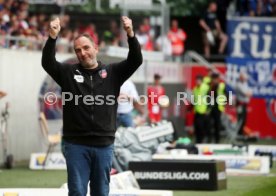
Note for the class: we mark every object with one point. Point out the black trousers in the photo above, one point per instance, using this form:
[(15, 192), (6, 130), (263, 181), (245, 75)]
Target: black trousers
[(242, 114), (215, 124), (201, 127)]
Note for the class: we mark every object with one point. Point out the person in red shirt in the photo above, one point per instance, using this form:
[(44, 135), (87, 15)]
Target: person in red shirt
[(91, 30), (177, 37), (154, 92)]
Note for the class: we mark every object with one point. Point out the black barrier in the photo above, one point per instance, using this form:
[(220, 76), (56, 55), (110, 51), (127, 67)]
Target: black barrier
[(191, 148), (180, 175)]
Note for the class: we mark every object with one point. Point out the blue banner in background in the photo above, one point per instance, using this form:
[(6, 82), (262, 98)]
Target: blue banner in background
[(252, 38), (262, 75), (252, 49)]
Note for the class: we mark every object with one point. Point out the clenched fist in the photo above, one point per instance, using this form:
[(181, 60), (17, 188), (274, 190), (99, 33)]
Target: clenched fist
[(54, 28), (127, 24)]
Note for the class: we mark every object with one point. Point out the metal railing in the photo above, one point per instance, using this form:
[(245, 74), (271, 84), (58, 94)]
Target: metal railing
[(8, 41), (27, 43)]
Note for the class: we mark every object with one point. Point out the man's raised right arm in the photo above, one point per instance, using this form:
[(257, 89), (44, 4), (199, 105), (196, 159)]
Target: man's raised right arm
[(49, 62)]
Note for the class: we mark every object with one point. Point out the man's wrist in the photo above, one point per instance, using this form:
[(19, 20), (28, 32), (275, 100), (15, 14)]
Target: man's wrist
[(130, 34), (52, 36)]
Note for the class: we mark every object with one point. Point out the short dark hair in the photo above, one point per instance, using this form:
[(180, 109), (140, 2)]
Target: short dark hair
[(199, 77), (157, 77), (215, 75), (85, 35), (211, 2)]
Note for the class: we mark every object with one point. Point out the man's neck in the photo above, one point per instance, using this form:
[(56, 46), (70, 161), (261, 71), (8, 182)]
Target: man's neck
[(94, 66)]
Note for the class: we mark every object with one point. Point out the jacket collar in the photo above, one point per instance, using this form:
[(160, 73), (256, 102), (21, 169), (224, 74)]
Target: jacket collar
[(100, 67)]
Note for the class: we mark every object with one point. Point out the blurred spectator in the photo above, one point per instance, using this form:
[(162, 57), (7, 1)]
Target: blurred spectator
[(187, 109), (146, 25), (273, 12), (260, 10), (22, 17), (207, 79), (163, 44), (150, 44), (111, 36), (4, 19), (264, 8), (127, 100), (64, 41), (177, 38), (217, 88), (222, 12), (148, 28), (255, 7), (23, 6), (243, 93), (3, 26), (32, 20), (246, 7), (91, 30), (64, 21), (144, 38), (212, 30), (154, 92), (268, 6), (201, 121)]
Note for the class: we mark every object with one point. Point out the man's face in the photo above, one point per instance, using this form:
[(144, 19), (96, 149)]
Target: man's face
[(156, 81), (243, 77), (215, 81), (86, 52), (174, 24), (198, 81), (213, 7)]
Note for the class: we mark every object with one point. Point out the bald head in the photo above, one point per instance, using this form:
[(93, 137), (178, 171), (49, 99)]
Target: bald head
[(85, 35), (243, 76)]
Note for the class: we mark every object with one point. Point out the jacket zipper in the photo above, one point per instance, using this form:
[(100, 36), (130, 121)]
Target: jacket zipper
[(92, 106)]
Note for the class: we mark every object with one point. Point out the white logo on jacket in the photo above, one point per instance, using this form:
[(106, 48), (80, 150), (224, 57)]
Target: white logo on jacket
[(79, 78)]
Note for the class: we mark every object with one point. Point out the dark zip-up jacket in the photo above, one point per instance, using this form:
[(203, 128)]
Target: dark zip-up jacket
[(89, 118)]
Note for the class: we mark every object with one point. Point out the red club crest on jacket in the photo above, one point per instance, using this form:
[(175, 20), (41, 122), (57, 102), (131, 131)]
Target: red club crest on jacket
[(103, 73)]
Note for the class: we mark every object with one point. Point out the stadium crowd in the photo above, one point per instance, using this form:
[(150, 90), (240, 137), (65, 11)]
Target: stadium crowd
[(257, 8), (21, 30)]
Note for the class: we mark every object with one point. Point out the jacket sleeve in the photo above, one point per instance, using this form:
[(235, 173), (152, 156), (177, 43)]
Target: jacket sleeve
[(126, 68), (49, 62)]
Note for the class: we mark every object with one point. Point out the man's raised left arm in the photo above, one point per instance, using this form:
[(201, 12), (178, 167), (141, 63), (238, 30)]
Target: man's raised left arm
[(134, 59)]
